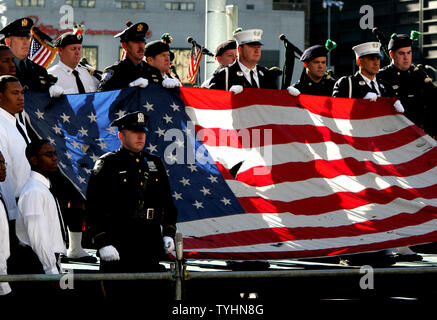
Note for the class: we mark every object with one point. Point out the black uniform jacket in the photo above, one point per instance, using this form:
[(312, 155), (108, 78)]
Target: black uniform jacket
[(128, 200), (236, 77), (120, 74), (322, 88), (34, 77), (416, 92), (359, 87)]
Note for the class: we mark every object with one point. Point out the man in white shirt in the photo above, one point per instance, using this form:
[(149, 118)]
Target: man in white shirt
[(4, 233), (39, 221), (72, 77), (13, 141)]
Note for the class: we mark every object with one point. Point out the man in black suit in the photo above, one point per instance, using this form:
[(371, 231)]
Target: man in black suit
[(363, 84), (245, 72), (314, 79)]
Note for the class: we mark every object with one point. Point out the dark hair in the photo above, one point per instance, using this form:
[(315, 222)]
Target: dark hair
[(5, 79), (34, 147)]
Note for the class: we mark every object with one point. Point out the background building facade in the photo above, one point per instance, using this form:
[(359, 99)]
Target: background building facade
[(105, 18)]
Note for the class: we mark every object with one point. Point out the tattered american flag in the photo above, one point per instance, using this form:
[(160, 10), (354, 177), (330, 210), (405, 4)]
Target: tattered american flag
[(41, 49), (262, 174)]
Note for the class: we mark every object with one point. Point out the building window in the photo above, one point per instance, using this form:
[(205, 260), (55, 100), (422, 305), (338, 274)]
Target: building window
[(81, 3), (250, 7), (288, 4), (180, 6), (30, 3), (91, 54), (137, 5)]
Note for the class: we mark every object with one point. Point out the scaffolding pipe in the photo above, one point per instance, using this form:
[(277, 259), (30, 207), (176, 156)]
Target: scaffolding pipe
[(221, 274)]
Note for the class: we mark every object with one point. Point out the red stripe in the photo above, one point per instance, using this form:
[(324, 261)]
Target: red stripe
[(335, 201), (406, 241), (353, 109), (44, 58), (282, 134), (275, 235), (298, 171), (40, 56)]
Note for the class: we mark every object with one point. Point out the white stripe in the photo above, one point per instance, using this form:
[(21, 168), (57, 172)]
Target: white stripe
[(258, 115), (318, 244), (344, 217), (301, 152), (319, 187)]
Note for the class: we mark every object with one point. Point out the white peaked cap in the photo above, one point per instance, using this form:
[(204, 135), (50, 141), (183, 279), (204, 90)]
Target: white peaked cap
[(367, 48), (251, 36)]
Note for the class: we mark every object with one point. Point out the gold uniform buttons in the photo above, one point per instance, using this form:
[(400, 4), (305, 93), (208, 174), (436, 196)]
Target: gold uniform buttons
[(137, 160), (124, 180)]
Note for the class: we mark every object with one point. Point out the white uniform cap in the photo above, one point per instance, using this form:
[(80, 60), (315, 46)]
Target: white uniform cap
[(367, 49), (251, 36)]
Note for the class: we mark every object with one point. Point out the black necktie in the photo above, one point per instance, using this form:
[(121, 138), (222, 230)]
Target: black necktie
[(79, 82), (20, 129), (22, 66), (252, 80), (61, 221), (372, 84), (4, 205)]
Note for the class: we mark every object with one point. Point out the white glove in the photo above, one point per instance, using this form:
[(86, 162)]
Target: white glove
[(140, 82), (169, 246), (56, 91), (398, 106), (109, 253), (293, 91), (236, 89), (372, 96), (170, 83)]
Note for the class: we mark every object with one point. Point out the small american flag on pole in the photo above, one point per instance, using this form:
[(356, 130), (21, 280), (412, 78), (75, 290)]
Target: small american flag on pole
[(41, 49), (193, 67)]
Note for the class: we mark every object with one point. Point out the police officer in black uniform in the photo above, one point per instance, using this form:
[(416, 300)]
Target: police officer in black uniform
[(17, 38), (133, 70), (314, 79), (410, 84), (245, 72), (128, 201)]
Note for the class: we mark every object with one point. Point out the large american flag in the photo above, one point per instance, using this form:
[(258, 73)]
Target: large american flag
[(261, 174), (41, 49)]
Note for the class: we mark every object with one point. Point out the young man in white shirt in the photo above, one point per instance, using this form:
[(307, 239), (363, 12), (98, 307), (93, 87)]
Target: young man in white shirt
[(39, 221), (4, 233)]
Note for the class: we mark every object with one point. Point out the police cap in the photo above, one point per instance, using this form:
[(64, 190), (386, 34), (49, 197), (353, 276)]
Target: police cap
[(68, 38), (249, 37), (226, 45), (399, 41), (135, 121), (368, 49), (133, 32), (314, 52), (155, 47), (19, 28)]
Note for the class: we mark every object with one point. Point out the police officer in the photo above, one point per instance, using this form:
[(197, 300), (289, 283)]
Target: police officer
[(133, 70), (31, 75), (410, 84), (72, 76), (128, 200), (157, 55), (225, 54), (364, 84), (245, 72), (314, 79)]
